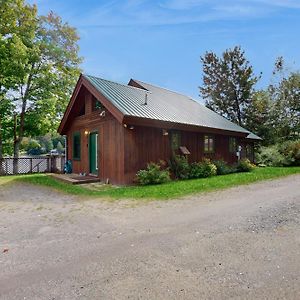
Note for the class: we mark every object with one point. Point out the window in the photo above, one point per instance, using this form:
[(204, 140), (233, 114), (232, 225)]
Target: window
[(82, 111), (76, 146), (209, 144), (175, 140), (97, 105), (232, 145)]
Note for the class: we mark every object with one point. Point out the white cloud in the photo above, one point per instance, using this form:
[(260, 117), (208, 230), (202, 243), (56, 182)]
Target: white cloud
[(176, 12)]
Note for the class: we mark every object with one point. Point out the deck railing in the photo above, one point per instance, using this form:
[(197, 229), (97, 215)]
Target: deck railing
[(34, 164)]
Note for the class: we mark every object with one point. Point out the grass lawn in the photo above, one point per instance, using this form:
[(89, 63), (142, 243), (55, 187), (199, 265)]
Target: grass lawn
[(170, 190)]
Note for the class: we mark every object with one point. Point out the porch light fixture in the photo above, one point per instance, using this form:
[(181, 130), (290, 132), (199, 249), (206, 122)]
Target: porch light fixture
[(102, 114), (131, 127), (86, 132), (125, 125), (165, 132)]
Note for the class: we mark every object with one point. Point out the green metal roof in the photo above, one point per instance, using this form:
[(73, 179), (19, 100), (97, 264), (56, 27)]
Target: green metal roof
[(162, 104), (253, 136)]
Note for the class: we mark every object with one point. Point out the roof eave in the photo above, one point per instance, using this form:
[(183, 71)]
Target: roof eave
[(82, 81), (147, 122)]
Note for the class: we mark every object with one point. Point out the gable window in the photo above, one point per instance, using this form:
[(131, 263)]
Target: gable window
[(232, 145), (209, 144), (82, 111), (175, 140), (97, 105), (76, 145)]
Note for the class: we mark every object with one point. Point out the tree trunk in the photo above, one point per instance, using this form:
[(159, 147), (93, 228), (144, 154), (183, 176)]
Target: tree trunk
[(1, 148), (16, 147), (238, 110), (18, 136)]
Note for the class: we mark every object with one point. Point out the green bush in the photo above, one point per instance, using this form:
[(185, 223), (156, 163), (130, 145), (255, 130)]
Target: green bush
[(180, 167), (202, 169), (244, 165), (223, 168), (270, 156), (284, 154), (291, 152), (153, 174)]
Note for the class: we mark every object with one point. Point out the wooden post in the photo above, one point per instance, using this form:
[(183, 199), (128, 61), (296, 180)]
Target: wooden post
[(30, 171)]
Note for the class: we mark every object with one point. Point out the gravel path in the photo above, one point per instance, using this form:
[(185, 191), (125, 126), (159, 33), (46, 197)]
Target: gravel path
[(241, 243)]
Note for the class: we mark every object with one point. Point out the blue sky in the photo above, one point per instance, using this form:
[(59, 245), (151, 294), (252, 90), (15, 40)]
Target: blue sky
[(161, 42)]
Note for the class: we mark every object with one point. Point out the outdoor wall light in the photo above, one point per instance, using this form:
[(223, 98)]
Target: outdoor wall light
[(125, 125), (86, 132), (165, 132)]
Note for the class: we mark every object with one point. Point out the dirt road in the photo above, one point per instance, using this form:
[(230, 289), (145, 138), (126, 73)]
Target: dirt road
[(241, 243)]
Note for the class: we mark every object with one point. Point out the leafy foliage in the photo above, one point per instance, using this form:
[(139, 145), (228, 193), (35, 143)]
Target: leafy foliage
[(202, 169), (270, 156), (286, 107), (179, 167), (39, 68), (223, 168), (258, 116), (153, 174), (244, 165), (291, 151), (228, 83), (42, 144), (281, 154)]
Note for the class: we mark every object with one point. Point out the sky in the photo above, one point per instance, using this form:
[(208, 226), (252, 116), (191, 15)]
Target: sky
[(161, 42)]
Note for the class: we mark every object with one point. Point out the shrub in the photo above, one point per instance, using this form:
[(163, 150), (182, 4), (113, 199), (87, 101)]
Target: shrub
[(244, 165), (270, 156), (202, 169), (223, 168), (153, 174), (180, 167), (291, 152)]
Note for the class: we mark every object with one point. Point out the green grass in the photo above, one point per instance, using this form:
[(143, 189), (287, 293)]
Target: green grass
[(170, 190)]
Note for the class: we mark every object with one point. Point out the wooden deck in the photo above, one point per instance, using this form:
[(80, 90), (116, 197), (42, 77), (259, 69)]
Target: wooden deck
[(75, 178)]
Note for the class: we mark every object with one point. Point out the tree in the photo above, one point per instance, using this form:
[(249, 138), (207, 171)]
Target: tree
[(259, 118), (286, 108), (228, 84), (17, 25), (60, 147), (52, 70)]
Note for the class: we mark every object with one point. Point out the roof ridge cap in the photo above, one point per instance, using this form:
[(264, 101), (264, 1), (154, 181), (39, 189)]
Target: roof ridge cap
[(115, 82), (163, 88)]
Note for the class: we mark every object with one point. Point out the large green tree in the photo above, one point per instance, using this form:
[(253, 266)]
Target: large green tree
[(286, 107), (228, 84), (17, 27), (259, 116), (52, 70)]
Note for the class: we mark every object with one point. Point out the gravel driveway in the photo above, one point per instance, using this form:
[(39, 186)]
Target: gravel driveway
[(241, 243)]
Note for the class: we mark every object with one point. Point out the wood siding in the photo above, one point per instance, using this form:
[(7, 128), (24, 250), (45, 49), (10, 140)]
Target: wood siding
[(124, 151), (110, 143), (147, 144)]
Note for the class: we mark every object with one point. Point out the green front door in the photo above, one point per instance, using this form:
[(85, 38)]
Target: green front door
[(93, 153)]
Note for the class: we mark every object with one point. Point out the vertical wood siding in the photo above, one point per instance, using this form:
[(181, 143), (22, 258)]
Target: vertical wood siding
[(122, 152)]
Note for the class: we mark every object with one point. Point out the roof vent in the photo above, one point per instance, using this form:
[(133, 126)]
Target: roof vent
[(146, 99)]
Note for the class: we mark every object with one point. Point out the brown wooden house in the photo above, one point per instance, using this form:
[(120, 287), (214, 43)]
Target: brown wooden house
[(114, 130)]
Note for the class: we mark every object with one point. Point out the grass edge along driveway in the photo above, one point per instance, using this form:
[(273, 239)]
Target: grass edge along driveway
[(174, 189)]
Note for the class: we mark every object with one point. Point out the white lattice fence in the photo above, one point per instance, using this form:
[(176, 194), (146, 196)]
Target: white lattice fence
[(27, 165)]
